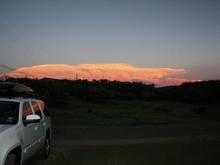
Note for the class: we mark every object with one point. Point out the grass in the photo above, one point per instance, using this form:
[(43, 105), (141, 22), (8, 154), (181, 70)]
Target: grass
[(132, 113), (203, 152), (190, 152)]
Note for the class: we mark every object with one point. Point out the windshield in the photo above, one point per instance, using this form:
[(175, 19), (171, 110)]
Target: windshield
[(9, 112)]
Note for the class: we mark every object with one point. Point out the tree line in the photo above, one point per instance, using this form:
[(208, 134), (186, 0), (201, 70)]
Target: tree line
[(61, 92)]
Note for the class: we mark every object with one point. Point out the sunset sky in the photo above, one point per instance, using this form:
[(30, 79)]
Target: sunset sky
[(179, 38)]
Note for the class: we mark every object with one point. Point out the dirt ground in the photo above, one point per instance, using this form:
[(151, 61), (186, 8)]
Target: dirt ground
[(110, 135)]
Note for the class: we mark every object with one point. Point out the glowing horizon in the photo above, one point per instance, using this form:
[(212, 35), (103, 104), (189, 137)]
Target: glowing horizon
[(119, 72)]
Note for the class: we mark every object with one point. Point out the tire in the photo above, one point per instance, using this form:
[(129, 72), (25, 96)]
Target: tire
[(11, 159), (47, 148)]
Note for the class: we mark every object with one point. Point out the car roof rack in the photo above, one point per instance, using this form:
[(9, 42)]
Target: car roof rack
[(10, 90)]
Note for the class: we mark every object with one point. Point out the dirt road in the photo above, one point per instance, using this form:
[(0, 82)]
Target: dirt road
[(98, 135)]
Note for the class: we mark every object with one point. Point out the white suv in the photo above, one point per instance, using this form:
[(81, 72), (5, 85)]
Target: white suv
[(25, 126)]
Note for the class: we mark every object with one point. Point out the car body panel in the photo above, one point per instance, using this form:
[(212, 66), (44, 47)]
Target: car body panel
[(30, 138)]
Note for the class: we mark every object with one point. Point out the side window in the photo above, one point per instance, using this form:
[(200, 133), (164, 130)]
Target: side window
[(36, 109), (26, 110), (44, 108)]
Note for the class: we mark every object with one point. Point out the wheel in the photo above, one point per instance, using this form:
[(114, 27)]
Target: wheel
[(47, 147), (11, 159)]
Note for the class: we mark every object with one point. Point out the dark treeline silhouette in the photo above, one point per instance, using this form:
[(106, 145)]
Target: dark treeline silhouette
[(193, 92), (60, 92)]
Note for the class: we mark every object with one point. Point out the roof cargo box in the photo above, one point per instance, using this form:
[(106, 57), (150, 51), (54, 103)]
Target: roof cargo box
[(9, 89)]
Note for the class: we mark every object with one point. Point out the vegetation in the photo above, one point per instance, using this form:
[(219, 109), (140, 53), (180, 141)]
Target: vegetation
[(62, 92), (82, 102), (132, 112)]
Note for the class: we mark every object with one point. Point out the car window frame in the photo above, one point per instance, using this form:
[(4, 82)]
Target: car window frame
[(43, 110), (42, 114), (18, 106), (23, 109)]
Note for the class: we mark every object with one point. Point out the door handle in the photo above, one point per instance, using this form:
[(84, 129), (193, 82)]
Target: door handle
[(35, 128)]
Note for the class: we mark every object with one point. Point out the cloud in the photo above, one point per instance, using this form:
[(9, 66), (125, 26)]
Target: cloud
[(120, 72)]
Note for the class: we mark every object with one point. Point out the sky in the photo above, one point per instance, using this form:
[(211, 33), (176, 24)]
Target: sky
[(145, 34)]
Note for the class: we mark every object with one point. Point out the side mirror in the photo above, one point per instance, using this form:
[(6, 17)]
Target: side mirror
[(34, 118)]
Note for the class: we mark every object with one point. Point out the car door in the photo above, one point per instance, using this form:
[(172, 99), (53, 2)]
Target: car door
[(39, 125), (30, 133), (44, 110)]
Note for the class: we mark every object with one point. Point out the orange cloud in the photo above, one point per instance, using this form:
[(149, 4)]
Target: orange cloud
[(120, 72)]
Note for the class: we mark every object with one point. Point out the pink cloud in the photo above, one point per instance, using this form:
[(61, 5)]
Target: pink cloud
[(120, 72)]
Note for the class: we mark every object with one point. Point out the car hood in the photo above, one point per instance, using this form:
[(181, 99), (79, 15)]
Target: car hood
[(4, 127)]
